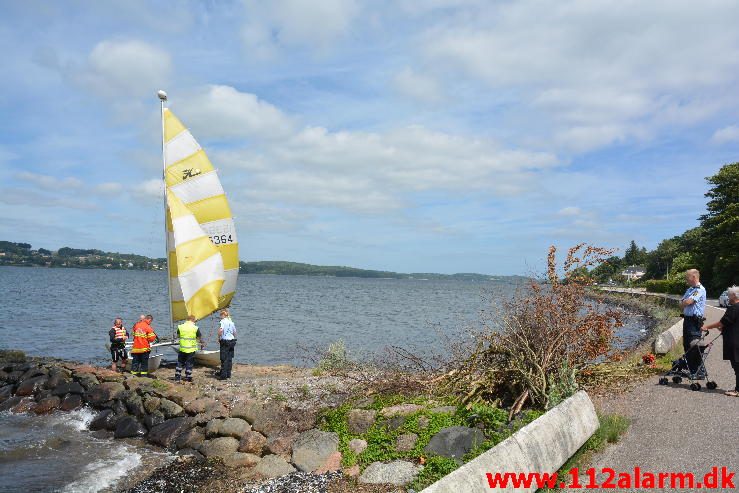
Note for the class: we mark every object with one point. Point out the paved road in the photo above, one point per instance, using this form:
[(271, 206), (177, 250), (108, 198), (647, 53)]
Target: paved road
[(643, 291), (676, 429)]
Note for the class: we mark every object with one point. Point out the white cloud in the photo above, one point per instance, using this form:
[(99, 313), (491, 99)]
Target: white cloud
[(47, 182), (224, 112), (124, 68), (279, 24), (150, 189), (726, 135), (569, 211), (417, 86)]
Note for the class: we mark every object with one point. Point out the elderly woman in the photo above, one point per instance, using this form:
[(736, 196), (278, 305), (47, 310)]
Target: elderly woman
[(729, 327)]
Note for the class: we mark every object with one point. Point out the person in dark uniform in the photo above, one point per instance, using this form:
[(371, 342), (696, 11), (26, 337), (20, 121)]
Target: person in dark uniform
[(118, 336), (693, 304), (729, 327)]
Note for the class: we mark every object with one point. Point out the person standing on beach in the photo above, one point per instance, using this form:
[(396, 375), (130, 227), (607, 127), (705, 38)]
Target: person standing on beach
[(227, 340), (143, 336), (190, 338), (118, 336), (693, 304), (729, 326)]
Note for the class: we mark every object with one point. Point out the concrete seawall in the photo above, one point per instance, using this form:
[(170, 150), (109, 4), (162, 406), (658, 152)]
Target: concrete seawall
[(542, 446)]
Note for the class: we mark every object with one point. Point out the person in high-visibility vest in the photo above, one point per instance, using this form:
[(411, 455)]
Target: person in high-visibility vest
[(118, 336), (190, 341), (143, 336)]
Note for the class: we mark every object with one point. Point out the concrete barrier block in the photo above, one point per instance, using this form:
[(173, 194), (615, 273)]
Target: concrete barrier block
[(667, 339), (542, 446)]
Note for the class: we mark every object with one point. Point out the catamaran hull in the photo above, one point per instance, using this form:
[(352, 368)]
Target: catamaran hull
[(155, 360), (206, 357)]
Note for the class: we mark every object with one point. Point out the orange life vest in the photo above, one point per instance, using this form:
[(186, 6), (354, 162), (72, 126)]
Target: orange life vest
[(120, 333), (143, 336)]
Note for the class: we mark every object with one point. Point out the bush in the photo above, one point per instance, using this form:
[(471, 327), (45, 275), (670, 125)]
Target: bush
[(335, 358), (667, 286)]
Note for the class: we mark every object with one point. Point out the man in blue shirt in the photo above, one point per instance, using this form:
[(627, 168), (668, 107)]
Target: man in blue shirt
[(227, 340), (693, 304)]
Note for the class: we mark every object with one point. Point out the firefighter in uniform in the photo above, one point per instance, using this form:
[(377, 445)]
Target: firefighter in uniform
[(118, 336), (190, 341), (143, 336)]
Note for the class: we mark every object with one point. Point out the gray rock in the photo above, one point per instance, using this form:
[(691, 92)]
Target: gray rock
[(406, 442), (135, 405), (188, 452), (400, 409), (153, 419), (117, 406), (357, 445), (213, 428), (87, 380), (151, 403), (444, 410), (281, 445), (165, 434), (240, 459), (191, 439), (10, 403), (234, 427), (105, 392), (55, 379), (129, 427), (396, 422), (272, 466), (268, 419), (25, 405), (104, 420), (47, 405), (31, 385), (170, 409), (454, 442), (397, 473), (34, 372), (68, 388), (360, 420), (5, 392), (222, 447), (199, 406), (70, 402), (252, 442), (14, 376), (312, 449)]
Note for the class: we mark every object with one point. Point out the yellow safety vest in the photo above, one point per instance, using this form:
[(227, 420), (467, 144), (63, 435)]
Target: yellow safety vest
[(188, 337)]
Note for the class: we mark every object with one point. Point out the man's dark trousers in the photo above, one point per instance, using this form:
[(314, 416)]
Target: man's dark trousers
[(140, 364), (184, 360), (691, 332), (227, 356)]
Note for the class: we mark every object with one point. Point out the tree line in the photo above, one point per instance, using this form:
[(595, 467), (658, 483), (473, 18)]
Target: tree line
[(712, 247)]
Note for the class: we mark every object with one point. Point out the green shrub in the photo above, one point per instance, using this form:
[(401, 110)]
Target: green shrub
[(335, 358), (667, 286), (436, 467)]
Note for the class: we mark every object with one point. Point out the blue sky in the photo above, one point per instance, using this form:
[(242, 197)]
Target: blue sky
[(443, 136)]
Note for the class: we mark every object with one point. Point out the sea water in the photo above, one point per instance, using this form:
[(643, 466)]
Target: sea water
[(57, 452)]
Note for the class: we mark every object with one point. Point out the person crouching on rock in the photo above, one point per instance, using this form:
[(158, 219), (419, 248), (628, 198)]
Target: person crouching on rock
[(227, 340), (190, 338), (143, 336), (118, 336), (729, 326)]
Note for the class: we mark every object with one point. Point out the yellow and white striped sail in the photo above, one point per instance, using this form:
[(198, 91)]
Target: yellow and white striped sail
[(192, 180)]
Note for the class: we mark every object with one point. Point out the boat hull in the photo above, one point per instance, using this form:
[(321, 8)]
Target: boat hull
[(206, 357)]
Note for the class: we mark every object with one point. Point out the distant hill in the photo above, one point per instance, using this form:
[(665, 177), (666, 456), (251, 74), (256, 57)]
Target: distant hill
[(22, 254)]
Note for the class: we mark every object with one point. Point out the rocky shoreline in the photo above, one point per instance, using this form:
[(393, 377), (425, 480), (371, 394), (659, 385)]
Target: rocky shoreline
[(258, 434)]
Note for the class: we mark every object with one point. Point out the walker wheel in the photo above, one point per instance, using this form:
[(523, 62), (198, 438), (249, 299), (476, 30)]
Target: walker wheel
[(711, 385), (695, 386), (677, 379), (663, 381)]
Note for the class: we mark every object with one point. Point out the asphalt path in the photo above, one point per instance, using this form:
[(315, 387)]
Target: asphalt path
[(675, 429)]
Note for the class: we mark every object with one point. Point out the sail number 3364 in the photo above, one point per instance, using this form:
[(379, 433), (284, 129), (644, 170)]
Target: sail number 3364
[(221, 239)]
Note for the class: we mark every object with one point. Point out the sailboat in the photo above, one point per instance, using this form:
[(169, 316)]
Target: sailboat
[(202, 247)]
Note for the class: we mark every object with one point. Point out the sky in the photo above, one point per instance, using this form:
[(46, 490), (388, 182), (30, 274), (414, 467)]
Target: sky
[(412, 136)]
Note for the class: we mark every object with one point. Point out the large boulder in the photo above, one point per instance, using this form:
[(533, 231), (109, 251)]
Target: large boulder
[(134, 404), (234, 427), (47, 405), (166, 433), (357, 445), (104, 420), (70, 402), (14, 376), (24, 406), (5, 392), (252, 442), (151, 403), (213, 428), (222, 447), (400, 410), (454, 442), (10, 403), (269, 418), (31, 385), (281, 445), (87, 380), (241, 459), (312, 449), (68, 388), (56, 378), (105, 392), (34, 372), (129, 427), (273, 466), (190, 439), (199, 406), (170, 409), (397, 473), (153, 419), (359, 421)]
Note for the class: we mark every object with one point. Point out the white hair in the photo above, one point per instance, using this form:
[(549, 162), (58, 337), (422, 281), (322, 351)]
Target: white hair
[(734, 292)]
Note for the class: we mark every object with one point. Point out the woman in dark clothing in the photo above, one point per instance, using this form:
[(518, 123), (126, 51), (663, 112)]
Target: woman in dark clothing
[(729, 326)]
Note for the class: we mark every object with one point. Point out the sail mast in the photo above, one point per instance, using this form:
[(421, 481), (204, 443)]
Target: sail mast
[(162, 98)]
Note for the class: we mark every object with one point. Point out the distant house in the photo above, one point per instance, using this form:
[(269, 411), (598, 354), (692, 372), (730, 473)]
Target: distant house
[(634, 272)]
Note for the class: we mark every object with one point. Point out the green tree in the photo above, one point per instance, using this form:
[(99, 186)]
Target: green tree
[(634, 255), (720, 241)]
